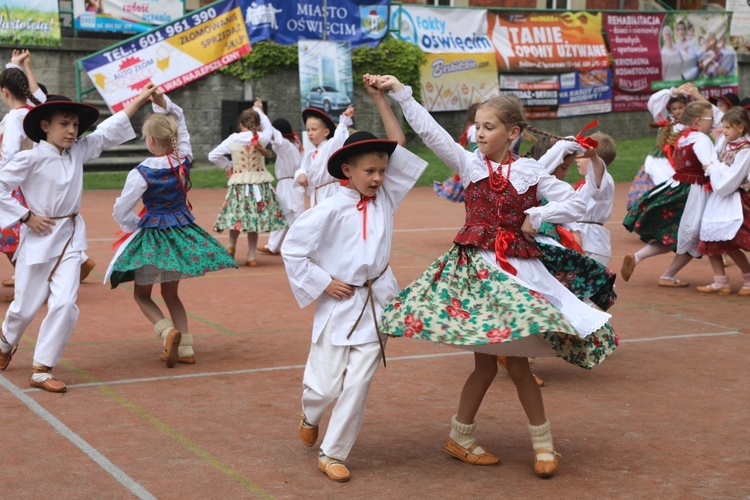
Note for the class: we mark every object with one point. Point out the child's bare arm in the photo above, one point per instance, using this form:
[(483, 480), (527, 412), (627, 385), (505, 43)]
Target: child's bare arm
[(33, 84), (390, 122), (597, 164)]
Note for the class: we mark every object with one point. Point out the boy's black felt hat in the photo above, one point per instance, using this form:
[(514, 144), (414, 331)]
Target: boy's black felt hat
[(32, 124), (730, 98), (358, 143), (317, 113), (282, 126)]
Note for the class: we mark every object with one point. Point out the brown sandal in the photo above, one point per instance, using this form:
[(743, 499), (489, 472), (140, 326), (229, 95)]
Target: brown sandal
[(546, 468), (467, 454)]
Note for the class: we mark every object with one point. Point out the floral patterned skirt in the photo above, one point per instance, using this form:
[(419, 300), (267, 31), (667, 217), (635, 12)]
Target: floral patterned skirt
[(463, 301), (160, 255), (246, 210), (741, 240), (451, 189), (10, 235), (582, 275), (641, 185), (657, 216)]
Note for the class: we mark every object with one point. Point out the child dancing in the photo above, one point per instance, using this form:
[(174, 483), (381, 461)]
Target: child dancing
[(336, 254), (725, 228), (490, 293), (251, 204), (165, 244), (48, 259)]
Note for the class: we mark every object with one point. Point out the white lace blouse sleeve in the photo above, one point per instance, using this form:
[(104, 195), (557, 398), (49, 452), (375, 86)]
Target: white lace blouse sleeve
[(657, 104), (266, 129), (135, 186), (218, 157), (434, 136), (727, 179), (563, 203)]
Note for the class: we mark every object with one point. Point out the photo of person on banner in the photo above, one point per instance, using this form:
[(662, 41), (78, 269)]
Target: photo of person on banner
[(671, 60)]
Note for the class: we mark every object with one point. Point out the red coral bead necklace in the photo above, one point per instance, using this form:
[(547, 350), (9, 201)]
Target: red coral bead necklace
[(498, 182)]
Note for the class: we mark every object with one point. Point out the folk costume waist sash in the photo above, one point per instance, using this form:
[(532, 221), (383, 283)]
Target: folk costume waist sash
[(371, 300), (67, 243)]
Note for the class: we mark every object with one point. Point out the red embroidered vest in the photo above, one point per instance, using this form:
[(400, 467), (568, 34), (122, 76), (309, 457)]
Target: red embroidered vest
[(488, 211), (688, 167)]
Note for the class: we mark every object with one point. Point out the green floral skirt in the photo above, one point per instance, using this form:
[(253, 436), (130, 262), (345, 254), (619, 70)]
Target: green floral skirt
[(582, 275), (159, 255), (463, 301), (657, 216), (241, 211)]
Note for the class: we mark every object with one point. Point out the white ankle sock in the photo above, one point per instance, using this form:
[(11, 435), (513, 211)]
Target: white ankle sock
[(541, 438), (462, 435), (185, 350)]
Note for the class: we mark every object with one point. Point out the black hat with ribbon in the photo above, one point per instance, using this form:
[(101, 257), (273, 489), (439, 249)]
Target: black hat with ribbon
[(729, 98), (358, 143), (745, 103), (32, 123), (322, 115)]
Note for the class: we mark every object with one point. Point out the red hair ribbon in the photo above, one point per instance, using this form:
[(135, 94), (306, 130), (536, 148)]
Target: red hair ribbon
[(669, 151), (502, 242), (587, 142), (125, 236), (464, 139), (568, 240), (662, 123), (294, 138), (362, 207), (255, 140)]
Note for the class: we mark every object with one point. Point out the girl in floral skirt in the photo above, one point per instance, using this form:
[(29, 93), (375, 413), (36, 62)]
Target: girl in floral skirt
[(20, 92), (165, 244), (490, 293), (725, 227), (668, 218), (251, 204), (666, 106)]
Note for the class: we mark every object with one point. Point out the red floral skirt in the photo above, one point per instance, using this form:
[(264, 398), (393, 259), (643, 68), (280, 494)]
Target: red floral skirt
[(10, 235), (741, 240)]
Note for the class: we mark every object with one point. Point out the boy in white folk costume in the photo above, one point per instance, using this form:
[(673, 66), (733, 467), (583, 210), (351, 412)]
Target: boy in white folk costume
[(336, 255), (48, 259), (326, 138)]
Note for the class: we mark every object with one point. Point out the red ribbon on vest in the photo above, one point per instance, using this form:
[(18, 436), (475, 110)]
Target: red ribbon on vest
[(587, 142), (568, 240), (362, 207), (125, 236), (502, 242)]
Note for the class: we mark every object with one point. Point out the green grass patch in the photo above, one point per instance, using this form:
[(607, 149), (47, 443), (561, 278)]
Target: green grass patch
[(630, 156)]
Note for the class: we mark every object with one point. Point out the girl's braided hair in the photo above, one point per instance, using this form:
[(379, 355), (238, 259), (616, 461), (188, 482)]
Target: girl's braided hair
[(509, 111), (251, 121), (16, 82)]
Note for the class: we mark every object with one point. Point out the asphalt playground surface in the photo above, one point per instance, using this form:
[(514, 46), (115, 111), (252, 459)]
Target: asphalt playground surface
[(666, 416)]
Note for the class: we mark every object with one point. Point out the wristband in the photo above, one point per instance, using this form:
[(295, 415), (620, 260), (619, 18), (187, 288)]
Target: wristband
[(26, 217)]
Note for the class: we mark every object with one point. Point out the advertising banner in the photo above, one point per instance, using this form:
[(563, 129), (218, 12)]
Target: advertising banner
[(171, 56), (359, 22), (548, 41), (125, 16), (453, 82), (325, 76), (561, 96), (441, 30), (739, 30), (29, 22), (656, 51)]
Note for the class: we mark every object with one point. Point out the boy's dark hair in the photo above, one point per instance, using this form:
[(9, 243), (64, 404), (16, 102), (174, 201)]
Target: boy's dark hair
[(607, 149), (540, 147)]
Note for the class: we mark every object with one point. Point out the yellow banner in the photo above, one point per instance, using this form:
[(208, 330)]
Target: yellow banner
[(453, 82)]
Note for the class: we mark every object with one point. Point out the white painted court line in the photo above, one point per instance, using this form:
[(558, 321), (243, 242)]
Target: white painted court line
[(114, 471), (398, 358)]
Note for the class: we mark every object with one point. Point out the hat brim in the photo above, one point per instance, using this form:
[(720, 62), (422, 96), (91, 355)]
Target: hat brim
[(319, 113), (32, 123), (341, 156)]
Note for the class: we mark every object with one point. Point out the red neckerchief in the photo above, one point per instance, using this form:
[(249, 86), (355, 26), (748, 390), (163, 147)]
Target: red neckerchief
[(294, 139), (362, 207), (578, 185)]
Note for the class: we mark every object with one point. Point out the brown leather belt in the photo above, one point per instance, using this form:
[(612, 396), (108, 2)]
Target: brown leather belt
[(59, 259), (371, 300)]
